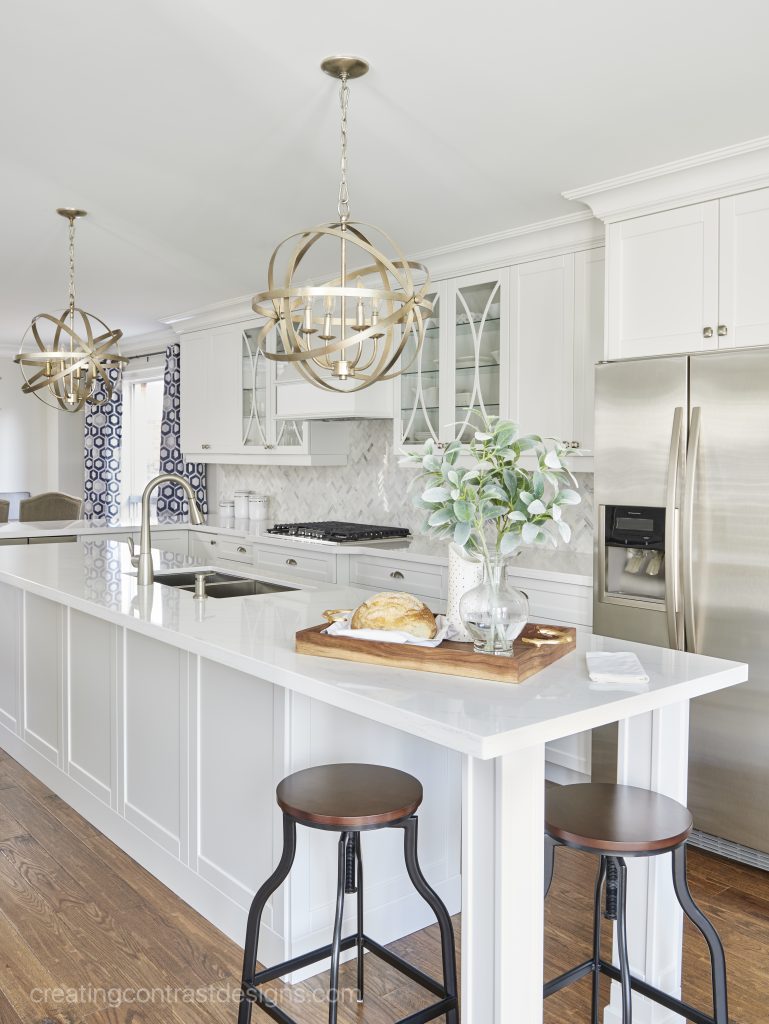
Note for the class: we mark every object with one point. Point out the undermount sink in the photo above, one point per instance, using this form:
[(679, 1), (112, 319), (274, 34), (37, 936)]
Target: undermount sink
[(221, 584)]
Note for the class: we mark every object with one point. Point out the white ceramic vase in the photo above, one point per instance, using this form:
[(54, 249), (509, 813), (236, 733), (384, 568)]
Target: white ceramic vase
[(465, 573)]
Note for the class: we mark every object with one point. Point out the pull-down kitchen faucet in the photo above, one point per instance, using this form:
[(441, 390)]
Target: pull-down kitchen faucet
[(143, 561)]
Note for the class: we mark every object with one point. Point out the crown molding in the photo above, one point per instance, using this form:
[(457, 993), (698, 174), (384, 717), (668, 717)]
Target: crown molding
[(569, 233), (712, 175), (217, 314)]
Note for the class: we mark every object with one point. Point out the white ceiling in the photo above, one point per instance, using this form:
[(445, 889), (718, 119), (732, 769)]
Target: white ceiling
[(198, 133)]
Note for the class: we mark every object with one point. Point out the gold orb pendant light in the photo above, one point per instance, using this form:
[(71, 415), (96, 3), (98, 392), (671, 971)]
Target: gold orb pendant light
[(349, 332), (65, 357)]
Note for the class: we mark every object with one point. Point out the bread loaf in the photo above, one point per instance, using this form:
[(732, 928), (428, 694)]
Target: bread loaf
[(392, 610)]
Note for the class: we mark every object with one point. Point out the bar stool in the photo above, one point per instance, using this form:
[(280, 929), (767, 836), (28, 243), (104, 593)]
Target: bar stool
[(349, 799), (615, 822)]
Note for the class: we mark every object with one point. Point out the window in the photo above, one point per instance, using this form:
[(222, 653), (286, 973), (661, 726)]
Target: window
[(142, 413)]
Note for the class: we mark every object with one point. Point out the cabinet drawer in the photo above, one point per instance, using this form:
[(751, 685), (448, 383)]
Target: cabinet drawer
[(206, 545), (566, 603), (419, 578), (315, 565)]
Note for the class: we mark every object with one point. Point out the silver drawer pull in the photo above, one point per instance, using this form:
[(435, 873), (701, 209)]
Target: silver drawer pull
[(242, 551), (205, 447), (212, 543), (396, 574), (290, 561)]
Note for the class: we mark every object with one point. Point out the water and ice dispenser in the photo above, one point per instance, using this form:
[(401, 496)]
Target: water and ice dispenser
[(634, 552)]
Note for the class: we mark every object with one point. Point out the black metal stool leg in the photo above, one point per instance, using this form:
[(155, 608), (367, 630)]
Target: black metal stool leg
[(600, 877), (433, 900), (359, 860), (624, 961), (698, 919), (333, 988), (258, 904), (549, 863)]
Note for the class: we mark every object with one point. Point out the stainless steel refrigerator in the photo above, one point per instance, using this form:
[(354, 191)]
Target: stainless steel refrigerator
[(682, 556)]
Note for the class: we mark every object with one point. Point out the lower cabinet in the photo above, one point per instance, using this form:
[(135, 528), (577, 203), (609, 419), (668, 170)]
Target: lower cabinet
[(422, 579), (42, 674)]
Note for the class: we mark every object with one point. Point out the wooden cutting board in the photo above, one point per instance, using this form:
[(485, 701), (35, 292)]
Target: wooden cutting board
[(450, 657)]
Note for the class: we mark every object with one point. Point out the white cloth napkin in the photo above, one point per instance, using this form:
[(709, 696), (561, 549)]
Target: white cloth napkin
[(616, 670), (390, 636)]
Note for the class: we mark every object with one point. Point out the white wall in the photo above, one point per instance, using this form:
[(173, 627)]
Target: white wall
[(23, 435), (40, 449)]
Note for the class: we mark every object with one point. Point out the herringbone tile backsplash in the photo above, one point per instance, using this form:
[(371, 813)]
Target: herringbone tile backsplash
[(371, 488)]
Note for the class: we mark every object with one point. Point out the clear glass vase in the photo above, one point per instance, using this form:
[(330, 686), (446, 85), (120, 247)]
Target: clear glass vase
[(494, 613)]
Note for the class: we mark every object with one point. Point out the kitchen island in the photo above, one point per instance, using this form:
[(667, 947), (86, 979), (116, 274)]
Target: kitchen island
[(167, 723)]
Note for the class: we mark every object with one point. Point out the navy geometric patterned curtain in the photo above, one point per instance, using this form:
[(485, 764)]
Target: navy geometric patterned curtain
[(103, 432), (171, 499)]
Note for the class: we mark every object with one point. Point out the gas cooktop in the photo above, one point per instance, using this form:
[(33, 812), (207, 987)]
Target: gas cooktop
[(339, 533)]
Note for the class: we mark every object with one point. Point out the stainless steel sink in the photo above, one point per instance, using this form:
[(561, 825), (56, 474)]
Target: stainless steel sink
[(221, 584)]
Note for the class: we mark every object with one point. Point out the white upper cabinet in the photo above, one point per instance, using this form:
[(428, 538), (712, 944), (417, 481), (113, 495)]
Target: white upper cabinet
[(663, 283), (557, 338), (210, 367), (458, 373), (690, 279), (229, 406), (743, 305), (520, 343), (589, 290), (542, 347)]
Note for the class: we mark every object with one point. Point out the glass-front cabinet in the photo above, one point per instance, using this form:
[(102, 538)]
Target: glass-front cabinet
[(461, 371), (261, 428), (228, 406), (420, 382)]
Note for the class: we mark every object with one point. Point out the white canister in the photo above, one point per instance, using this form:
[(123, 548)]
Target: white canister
[(258, 506), (465, 573), (227, 508), (241, 504)]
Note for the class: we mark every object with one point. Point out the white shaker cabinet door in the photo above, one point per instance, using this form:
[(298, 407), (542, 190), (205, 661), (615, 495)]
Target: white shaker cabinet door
[(542, 353), (663, 283), (589, 273), (744, 270), (210, 392)]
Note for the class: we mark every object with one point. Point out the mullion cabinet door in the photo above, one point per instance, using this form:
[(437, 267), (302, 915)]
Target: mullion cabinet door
[(477, 344), (419, 412)]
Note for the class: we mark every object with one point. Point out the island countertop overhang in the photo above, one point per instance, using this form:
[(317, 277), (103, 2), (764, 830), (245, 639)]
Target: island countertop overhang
[(255, 635)]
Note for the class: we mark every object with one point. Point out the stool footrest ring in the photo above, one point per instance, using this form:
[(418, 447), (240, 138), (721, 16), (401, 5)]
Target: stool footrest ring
[(252, 992)]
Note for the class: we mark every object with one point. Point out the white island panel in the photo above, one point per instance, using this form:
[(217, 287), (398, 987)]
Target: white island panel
[(11, 603), (92, 677), (155, 741), (235, 803), (45, 659)]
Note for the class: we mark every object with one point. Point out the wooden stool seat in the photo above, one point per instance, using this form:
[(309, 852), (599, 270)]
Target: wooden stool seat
[(349, 796), (611, 819)]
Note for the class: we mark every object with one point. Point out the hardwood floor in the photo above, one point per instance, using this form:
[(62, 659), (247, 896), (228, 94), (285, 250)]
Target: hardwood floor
[(82, 925)]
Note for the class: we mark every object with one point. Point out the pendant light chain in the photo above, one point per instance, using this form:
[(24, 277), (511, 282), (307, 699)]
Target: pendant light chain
[(72, 268), (343, 207)]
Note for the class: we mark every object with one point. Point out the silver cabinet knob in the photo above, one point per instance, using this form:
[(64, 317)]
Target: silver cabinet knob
[(205, 447), (707, 332), (396, 574), (212, 543), (290, 561), (722, 330), (241, 551)]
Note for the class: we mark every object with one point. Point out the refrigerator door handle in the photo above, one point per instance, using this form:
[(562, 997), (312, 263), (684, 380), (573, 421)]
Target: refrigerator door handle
[(673, 570), (688, 528)]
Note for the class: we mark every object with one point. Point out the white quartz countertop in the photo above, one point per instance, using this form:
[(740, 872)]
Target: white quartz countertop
[(256, 635), (557, 566)]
